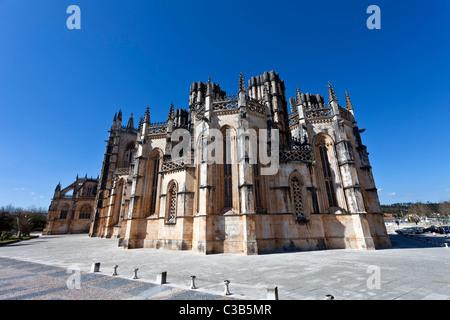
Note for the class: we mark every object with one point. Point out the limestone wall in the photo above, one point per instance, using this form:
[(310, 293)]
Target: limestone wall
[(324, 231)]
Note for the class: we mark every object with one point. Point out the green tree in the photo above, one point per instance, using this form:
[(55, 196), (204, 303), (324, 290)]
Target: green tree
[(37, 221), (6, 221)]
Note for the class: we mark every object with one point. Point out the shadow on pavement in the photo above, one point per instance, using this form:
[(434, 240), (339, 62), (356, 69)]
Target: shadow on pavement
[(402, 242)]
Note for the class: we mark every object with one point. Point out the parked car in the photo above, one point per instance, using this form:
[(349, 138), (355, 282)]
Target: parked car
[(406, 230), (431, 229), (444, 229), (418, 230)]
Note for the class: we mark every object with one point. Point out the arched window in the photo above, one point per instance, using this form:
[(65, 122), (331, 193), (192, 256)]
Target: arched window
[(156, 163), (227, 171), (85, 212), (198, 162), (323, 148), (129, 152), (257, 184), (118, 197), (171, 210), (256, 170), (64, 210), (296, 193), (100, 200)]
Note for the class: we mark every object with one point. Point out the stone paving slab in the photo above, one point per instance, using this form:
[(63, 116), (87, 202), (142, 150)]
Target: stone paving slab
[(148, 290), (412, 269), (37, 283)]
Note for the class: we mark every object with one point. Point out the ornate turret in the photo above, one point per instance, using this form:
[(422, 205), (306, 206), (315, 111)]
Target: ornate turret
[(117, 121), (130, 125), (141, 121), (277, 100), (147, 115), (331, 95), (332, 100), (241, 82), (114, 122), (171, 113), (298, 97), (208, 88), (348, 103)]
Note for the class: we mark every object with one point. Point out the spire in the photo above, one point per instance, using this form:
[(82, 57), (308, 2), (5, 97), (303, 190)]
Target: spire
[(141, 120), (58, 187), (266, 100), (130, 124), (266, 93), (348, 102), (119, 116), (241, 82), (298, 96), (208, 87), (171, 112), (331, 94), (114, 122), (147, 115)]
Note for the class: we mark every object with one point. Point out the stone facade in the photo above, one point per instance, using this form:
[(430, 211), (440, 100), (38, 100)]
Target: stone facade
[(322, 196), (72, 208)]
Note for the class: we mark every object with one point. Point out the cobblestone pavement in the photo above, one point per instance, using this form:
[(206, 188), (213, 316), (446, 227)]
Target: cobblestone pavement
[(38, 269), (22, 280)]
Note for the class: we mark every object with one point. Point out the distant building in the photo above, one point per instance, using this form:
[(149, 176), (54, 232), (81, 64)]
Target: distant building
[(389, 218), (72, 208)]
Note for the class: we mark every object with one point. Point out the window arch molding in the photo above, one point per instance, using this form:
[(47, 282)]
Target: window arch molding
[(325, 152), (155, 159), (129, 154), (64, 210), (119, 186), (197, 162), (298, 195), (171, 202), (227, 173), (85, 211), (258, 179)]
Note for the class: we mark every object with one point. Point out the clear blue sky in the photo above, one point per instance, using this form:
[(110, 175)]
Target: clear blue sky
[(60, 88)]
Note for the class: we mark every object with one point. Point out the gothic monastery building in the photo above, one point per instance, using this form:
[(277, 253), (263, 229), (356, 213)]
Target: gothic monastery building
[(255, 176)]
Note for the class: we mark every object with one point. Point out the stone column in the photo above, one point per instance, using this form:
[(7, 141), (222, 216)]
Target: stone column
[(346, 161), (131, 238), (245, 172), (199, 237), (364, 238)]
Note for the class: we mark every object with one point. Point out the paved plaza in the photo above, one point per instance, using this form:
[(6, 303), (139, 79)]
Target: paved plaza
[(39, 269)]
